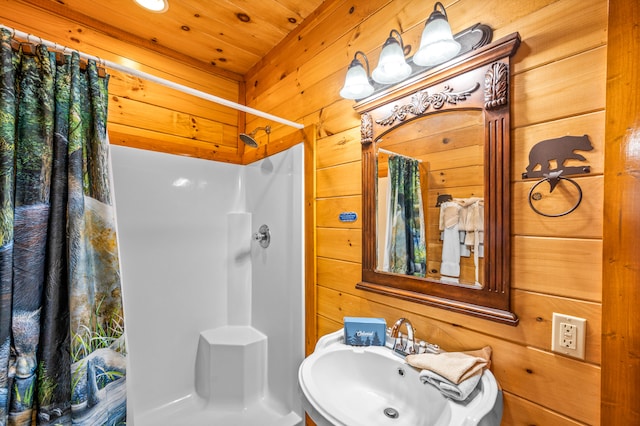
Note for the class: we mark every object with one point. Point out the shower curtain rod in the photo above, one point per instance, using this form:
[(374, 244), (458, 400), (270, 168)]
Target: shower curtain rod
[(386, 151), (162, 81)]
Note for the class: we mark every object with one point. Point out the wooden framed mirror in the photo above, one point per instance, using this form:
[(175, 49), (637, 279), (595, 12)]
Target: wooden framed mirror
[(446, 243)]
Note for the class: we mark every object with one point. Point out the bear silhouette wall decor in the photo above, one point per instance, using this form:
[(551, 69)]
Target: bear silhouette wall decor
[(557, 150)]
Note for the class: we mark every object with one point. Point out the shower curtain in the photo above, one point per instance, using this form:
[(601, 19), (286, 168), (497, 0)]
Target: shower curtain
[(406, 248), (62, 354)]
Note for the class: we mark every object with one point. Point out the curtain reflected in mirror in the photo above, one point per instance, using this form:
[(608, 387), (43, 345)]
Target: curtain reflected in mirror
[(404, 228)]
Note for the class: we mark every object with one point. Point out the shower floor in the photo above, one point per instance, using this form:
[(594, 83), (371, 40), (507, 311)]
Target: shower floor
[(192, 411)]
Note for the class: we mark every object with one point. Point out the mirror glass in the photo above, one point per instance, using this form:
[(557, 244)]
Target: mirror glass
[(430, 198)]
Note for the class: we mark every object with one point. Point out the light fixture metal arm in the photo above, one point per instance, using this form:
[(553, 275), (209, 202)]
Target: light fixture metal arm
[(399, 37), (434, 15), (366, 61)]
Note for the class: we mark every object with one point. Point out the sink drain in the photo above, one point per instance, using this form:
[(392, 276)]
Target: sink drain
[(392, 413)]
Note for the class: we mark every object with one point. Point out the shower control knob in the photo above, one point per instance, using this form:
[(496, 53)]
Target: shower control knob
[(263, 236)]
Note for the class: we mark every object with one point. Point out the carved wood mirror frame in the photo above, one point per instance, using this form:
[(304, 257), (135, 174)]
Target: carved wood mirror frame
[(441, 89)]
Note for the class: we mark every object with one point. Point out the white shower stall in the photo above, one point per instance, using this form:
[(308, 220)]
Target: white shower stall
[(214, 321)]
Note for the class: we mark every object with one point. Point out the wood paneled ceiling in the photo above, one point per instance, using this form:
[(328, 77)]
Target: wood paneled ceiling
[(229, 35)]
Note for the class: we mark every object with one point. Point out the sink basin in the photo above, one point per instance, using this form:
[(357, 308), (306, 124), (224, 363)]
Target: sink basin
[(349, 386)]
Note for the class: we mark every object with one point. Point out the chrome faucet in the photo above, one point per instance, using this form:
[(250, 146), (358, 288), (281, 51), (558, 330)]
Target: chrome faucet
[(403, 348)]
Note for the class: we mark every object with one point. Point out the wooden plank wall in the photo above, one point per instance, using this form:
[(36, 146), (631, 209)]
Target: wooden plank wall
[(621, 266), (557, 88), (144, 114)]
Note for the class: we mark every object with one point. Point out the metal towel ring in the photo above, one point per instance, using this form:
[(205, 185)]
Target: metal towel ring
[(553, 181)]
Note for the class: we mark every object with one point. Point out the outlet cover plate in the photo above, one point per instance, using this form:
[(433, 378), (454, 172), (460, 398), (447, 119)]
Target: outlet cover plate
[(568, 335)]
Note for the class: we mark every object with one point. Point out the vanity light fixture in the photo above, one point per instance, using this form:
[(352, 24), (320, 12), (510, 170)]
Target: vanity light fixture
[(357, 83), (437, 44), (392, 67), (158, 6)]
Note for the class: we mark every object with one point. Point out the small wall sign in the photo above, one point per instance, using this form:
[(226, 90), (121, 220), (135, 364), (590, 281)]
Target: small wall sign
[(348, 217)]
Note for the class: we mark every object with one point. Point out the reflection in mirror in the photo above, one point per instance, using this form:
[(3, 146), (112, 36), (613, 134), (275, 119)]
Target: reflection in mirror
[(430, 188)]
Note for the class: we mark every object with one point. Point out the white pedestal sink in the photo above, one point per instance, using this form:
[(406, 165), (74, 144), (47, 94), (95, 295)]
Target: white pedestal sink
[(351, 386)]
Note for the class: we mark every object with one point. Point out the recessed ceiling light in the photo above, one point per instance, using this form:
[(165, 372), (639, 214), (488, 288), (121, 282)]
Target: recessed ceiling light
[(157, 6)]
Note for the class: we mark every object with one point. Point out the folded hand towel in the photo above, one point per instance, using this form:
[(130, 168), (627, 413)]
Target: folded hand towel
[(458, 392), (453, 366), (449, 212)]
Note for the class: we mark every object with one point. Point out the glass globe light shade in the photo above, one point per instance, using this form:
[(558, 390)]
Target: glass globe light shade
[(356, 83), (392, 67), (437, 44)]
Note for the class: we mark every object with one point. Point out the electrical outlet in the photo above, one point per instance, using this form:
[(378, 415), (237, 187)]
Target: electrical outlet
[(568, 335)]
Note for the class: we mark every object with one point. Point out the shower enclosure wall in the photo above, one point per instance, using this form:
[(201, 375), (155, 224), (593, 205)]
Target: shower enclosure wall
[(215, 322)]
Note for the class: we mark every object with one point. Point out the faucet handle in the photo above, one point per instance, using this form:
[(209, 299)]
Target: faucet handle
[(263, 236), (424, 347)]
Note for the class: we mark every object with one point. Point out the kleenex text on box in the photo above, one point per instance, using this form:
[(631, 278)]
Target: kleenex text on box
[(364, 331)]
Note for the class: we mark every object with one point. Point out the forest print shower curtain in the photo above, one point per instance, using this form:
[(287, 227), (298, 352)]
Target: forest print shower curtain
[(405, 251), (62, 354)]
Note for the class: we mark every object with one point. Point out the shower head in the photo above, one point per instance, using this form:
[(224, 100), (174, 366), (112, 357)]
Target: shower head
[(249, 140)]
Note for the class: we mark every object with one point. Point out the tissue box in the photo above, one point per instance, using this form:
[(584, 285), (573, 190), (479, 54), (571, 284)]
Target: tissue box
[(364, 331)]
